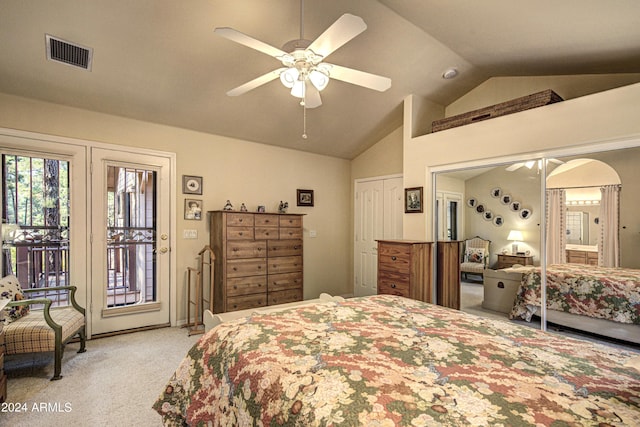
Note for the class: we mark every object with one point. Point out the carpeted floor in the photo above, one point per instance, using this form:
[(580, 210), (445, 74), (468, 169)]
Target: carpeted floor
[(113, 384)]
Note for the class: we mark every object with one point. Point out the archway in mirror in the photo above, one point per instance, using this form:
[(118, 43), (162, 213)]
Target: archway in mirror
[(583, 213)]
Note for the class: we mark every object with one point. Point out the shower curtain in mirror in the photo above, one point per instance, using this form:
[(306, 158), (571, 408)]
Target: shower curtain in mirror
[(609, 245), (556, 221)]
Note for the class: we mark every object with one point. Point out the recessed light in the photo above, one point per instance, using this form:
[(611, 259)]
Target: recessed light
[(450, 73)]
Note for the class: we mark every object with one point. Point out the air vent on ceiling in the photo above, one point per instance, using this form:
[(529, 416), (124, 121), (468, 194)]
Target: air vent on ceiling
[(68, 53)]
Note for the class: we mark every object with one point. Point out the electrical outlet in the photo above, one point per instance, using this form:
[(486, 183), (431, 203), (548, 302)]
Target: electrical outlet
[(190, 234)]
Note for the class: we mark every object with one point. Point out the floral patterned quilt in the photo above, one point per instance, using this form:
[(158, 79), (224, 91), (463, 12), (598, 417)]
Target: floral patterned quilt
[(601, 292), (385, 361)]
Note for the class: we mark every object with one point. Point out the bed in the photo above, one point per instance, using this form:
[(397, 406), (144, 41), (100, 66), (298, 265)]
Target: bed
[(601, 300), (387, 360)]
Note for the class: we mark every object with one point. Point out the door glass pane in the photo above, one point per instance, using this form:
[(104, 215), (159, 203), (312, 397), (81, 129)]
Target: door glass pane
[(452, 220), (131, 232), (35, 220)]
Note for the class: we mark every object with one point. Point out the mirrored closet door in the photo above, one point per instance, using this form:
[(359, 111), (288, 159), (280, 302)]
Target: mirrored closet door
[(543, 218)]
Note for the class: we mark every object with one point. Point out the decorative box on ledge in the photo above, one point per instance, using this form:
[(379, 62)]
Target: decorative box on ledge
[(528, 102)]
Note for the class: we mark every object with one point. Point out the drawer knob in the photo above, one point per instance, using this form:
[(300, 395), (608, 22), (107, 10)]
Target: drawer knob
[(393, 258), (393, 285), (235, 249), (235, 269), (501, 285), (235, 286), (241, 233)]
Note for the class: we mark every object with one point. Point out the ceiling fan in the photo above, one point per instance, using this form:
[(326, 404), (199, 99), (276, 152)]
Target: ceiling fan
[(531, 163), (304, 70)]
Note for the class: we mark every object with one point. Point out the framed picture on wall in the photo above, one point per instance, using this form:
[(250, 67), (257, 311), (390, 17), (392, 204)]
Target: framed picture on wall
[(304, 197), (191, 184), (413, 200), (193, 209)]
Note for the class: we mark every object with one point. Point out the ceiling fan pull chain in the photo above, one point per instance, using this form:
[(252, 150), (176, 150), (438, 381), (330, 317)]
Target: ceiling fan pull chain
[(304, 121)]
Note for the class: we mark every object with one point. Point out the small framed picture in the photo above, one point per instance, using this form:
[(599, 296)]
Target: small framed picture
[(305, 197), (191, 184), (193, 209), (413, 200)]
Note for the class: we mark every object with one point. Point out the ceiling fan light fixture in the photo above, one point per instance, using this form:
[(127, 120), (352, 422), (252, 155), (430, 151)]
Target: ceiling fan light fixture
[(298, 89), (319, 79), (289, 77)]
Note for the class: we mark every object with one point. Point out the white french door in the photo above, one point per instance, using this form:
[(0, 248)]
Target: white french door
[(130, 240)]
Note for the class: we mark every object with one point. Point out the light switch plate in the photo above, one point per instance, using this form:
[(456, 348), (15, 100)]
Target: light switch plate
[(190, 234)]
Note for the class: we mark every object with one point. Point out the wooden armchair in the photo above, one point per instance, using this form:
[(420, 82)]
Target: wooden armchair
[(475, 257), (43, 330)]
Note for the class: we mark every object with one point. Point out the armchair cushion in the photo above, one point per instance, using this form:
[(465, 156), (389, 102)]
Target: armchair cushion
[(10, 289), (33, 335)]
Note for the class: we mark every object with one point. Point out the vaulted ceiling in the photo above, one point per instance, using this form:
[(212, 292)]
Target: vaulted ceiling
[(160, 61)]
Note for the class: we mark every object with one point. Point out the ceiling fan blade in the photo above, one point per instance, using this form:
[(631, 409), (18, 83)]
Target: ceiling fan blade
[(312, 97), (238, 37), (344, 29), (258, 81), (360, 78)]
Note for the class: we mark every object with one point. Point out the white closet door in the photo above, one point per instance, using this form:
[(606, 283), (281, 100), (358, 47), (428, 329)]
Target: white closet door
[(378, 210)]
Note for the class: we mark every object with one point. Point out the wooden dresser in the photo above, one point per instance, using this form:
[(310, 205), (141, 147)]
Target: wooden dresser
[(582, 257), (506, 261), (3, 376), (404, 268), (258, 259)]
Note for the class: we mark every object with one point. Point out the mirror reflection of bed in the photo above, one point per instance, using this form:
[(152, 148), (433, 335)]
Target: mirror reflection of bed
[(580, 177)]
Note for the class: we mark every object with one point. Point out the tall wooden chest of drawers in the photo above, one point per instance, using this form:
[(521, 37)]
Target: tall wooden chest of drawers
[(258, 259), (404, 268)]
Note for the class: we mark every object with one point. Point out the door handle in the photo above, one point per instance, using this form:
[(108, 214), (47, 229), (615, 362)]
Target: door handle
[(164, 250)]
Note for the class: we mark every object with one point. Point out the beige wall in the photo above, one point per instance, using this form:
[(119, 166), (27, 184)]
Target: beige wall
[(384, 158), (522, 185), (241, 171)]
